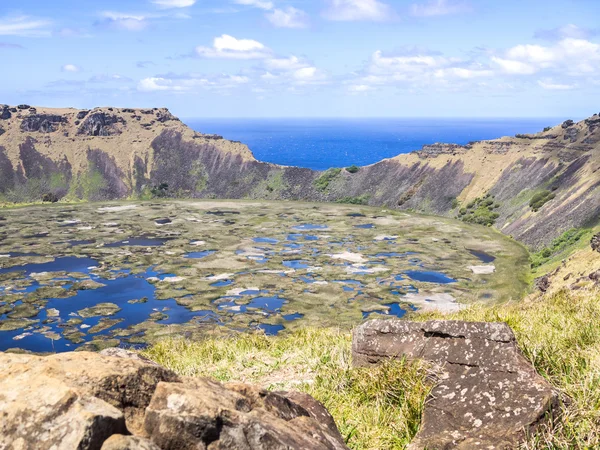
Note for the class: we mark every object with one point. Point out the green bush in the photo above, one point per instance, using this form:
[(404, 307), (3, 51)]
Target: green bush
[(479, 211), (362, 200), (352, 169), (160, 191), (565, 240), (322, 183), (540, 199)]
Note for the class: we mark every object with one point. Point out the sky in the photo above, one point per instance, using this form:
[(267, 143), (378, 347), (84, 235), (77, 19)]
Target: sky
[(305, 58)]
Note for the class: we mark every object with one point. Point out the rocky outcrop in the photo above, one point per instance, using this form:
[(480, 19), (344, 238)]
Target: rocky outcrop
[(44, 123), (100, 124), (438, 149), (596, 243), (543, 283), (487, 396), (5, 113), (120, 401)]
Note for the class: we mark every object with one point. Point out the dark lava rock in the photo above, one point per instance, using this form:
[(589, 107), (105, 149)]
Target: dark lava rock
[(5, 113), (120, 401), (23, 106), (50, 198), (596, 243), (82, 114), (164, 221), (100, 124), (567, 124), (595, 276), (44, 123), (542, 283), (165, 116), (2, 131), (488, 394)]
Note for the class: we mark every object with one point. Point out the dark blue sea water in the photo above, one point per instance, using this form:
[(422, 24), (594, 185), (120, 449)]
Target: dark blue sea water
[(324, 143)]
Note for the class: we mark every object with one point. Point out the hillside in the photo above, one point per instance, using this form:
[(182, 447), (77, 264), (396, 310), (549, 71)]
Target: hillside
[(531, 187)]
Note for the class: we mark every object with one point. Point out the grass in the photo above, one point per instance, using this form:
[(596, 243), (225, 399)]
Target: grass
[(380, 408), (374, 408)]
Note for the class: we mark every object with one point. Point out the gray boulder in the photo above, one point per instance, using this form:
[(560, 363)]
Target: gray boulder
[(207, 415), (596, 243), (487, 396), (5, 113), (120, 401)]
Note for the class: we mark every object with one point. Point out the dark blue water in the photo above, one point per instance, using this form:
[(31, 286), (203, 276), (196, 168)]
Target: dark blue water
[(200, 255), (323, 143), (394, 310), (65, 264), (118, 291), (296, 264), (483, 256), (429, 277)]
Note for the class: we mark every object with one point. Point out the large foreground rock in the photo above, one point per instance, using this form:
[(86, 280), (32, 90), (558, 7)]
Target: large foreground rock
[(488, 395), (119, 401), (596, 242)]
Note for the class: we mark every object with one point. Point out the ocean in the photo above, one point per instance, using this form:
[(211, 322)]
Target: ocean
[(323, 143)]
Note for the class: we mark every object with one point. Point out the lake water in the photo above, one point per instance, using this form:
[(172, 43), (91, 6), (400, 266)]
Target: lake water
[(323, 143)]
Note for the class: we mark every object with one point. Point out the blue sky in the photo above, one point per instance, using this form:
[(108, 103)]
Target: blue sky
[(306, 58)]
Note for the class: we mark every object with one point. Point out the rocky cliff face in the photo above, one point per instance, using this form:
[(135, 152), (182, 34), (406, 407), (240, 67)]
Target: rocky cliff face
[(542, 184)]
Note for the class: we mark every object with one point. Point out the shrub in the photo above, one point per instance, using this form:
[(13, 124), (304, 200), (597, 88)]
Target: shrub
[(540, 199), (558, 245), (352, 169), (362, 200), (160, 191), (479, 211), (322, 183)]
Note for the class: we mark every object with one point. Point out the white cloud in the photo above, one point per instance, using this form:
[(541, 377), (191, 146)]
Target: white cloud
[(462, 73), (355, 10), (284, 64), (123, 21), (418, 69), (104, 78), (70, 68), (514, 67), (291, 70), (360, 88), (24, 26), (439, 8), (570, 56), (228, 47), (261, 4), (190, 83), (174, 3), (567, 31), (548, 84), (289, 18)]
